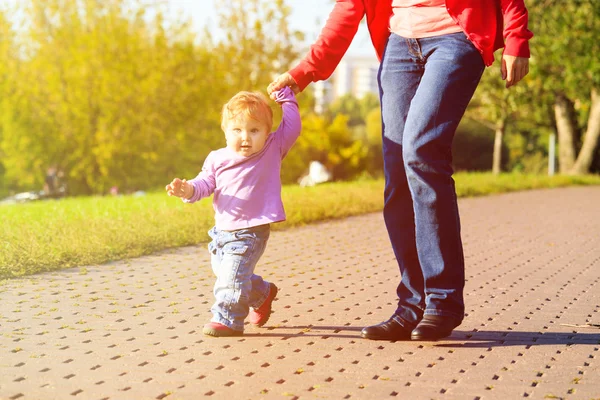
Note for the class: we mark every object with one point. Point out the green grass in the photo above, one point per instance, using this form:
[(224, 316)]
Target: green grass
[(52, 235)]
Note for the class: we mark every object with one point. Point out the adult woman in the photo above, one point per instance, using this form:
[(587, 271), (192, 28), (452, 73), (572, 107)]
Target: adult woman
[(432, 55)]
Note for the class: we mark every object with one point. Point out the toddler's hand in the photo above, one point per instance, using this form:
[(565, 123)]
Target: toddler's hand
[(178, 188)]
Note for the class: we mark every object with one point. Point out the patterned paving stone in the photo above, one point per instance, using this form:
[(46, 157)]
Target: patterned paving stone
[(132, 329)]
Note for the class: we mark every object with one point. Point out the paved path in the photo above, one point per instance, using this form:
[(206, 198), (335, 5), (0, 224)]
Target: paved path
[(132, 329)]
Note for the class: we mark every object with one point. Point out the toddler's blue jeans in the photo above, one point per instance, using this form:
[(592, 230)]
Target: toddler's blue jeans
[(425, 86), (234, 255)]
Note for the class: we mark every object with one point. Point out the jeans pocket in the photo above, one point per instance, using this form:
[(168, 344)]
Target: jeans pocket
[(235, 248), (212, 248), (212, 245)]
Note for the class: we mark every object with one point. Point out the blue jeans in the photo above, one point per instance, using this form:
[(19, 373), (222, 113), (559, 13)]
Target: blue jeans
[(425, 86), (233, 257)]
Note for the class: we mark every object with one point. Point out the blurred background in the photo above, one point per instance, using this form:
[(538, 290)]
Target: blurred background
[(121, 96)]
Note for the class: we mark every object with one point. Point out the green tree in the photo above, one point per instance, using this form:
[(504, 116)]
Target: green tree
[(258, 43), (374, 162), (565, 62), (496, 107), (115, 94), (105, 93), (356, 109), (7, 59), (330, 143)]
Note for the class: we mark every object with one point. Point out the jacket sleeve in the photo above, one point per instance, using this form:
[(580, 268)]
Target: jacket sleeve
[(516, 34), (331, 45)]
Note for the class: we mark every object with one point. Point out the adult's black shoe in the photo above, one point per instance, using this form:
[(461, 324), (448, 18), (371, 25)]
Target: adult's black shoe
[(434, 327), (388, 330)]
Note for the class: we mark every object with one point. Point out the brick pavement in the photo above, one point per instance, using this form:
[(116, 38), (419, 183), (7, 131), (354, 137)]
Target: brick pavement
[(132, 329)]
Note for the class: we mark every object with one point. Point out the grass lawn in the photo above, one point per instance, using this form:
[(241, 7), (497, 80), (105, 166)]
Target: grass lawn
[(58, 234)]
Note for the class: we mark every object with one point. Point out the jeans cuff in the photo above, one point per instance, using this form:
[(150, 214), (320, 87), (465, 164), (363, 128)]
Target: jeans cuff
[(439, 313)]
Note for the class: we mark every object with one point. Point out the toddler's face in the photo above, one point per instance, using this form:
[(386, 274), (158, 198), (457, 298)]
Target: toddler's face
[(246, 136)]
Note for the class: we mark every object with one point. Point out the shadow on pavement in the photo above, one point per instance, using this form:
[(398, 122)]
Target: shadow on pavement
[(483, 338), (461, 339)]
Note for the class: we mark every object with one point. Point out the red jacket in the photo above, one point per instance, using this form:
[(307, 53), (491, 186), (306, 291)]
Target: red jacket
[(489, 24)]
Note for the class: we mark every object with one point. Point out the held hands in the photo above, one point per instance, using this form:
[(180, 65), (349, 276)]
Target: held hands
[(514, 69), (180, 188), (280, 82)]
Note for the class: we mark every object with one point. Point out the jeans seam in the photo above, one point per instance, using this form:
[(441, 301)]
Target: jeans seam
[(413, 45)]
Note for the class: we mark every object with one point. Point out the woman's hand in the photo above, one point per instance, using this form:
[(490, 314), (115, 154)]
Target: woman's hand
[(514, 69), (282, 81)]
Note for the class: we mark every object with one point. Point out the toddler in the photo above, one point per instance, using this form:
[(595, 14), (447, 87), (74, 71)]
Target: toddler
[(245, 179)]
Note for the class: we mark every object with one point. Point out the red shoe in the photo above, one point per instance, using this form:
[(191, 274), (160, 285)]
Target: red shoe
[(259, 316), (220, 330)]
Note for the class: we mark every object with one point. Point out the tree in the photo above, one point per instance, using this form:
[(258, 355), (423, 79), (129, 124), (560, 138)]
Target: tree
[(106, 93), (565, 60), (364, 120), (7, 59), (356, 109), (494, 106), (374, 162), (115, 95), (258, 43), (330, 143)]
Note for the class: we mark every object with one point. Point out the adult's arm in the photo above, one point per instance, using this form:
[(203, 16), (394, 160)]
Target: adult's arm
[(516, 33), (331, 45), (515, 57)]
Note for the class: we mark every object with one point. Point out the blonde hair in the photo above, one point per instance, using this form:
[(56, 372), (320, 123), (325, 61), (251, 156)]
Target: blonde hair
[(248, 104)]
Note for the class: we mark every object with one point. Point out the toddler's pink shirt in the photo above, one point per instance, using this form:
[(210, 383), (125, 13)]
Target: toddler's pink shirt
[(247, 190), (421, 18)]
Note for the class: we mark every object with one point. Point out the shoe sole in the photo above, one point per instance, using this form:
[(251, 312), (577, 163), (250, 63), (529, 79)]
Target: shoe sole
[(426, 338), (218, 333), (400, 339), (432, 332)]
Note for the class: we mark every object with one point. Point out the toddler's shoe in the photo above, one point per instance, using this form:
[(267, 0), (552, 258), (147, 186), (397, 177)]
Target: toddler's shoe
[(220, 330), (260, 315)]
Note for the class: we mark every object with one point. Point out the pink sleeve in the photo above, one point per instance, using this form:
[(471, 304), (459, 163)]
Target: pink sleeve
[(289, 128), (204, 184)]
